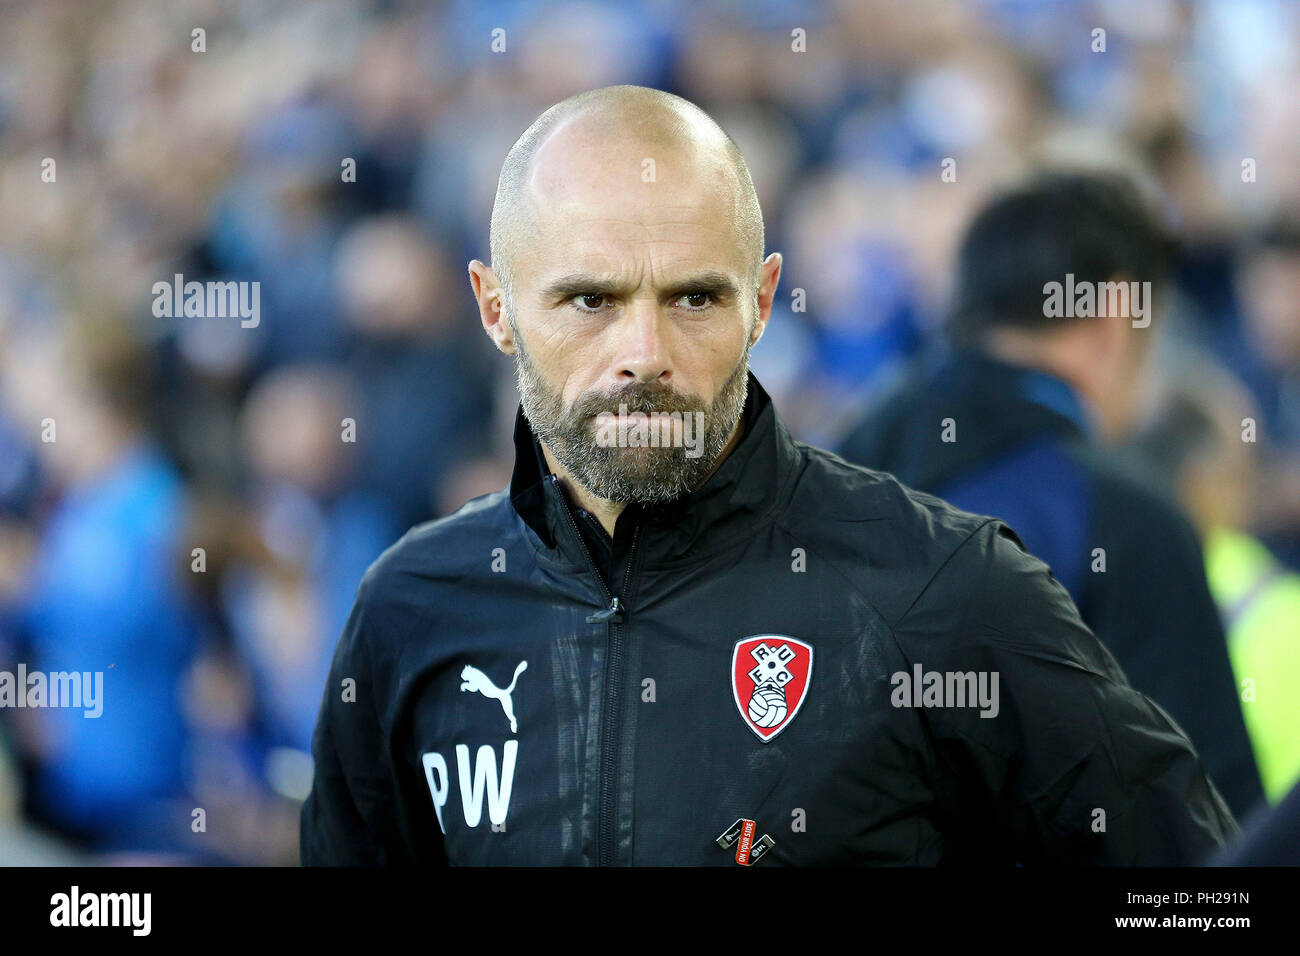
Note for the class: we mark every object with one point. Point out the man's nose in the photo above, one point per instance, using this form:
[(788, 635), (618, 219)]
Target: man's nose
[(643, 345)]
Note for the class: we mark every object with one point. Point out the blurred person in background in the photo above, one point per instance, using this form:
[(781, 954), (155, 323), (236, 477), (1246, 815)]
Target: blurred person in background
[(278, 222), (237, 769), (1205, 441), (313, 533), (1266, 354), (103, 594), (1012, 422), (409, 340)]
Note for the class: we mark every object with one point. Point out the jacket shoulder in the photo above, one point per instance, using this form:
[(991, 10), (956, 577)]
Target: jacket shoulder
[(889, 538), (834, 487), (446, 549)]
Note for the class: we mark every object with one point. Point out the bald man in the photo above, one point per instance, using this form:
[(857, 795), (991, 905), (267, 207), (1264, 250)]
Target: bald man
[(681, 637)]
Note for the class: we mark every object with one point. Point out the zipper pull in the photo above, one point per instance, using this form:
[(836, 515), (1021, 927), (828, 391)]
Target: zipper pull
[(613, 612)]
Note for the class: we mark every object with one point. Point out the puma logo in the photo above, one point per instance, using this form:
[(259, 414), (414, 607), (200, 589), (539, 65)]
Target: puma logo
[(474, 679)]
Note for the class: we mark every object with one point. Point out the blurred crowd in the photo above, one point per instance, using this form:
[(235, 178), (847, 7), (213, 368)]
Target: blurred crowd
[(183, 502)]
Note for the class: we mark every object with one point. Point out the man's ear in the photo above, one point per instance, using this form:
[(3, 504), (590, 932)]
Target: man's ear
[(491, 306), (769, 275)]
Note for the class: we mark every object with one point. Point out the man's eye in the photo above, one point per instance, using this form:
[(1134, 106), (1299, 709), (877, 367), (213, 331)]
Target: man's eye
[(697, 300), (591, 301), (691, 301)]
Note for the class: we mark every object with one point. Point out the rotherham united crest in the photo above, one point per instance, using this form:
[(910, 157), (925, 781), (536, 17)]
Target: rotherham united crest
[(769, 680)]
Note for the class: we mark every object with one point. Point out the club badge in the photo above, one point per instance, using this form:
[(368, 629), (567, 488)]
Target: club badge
[(769, 681)]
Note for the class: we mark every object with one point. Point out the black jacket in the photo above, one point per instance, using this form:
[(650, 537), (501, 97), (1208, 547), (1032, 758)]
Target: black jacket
[(1022, 453), (630, 733)]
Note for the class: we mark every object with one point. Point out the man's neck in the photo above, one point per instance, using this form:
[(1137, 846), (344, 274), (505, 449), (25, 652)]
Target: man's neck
[(1052, 354), (606, 511), (1058, 356)]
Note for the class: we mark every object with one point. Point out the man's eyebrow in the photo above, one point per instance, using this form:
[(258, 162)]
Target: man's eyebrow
[(718, 284)]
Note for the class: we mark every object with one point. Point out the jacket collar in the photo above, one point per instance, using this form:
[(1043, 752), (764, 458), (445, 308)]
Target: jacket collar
[(1001, 406), (1027, 399), (748, 488)]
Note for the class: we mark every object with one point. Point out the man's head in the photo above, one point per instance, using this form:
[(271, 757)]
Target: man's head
[(1195, 440), (627, 268), (1064, 273)]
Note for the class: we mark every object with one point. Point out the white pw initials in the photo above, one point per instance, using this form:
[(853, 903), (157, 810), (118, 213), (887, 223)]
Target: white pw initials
[(480, 779), (474, 782)]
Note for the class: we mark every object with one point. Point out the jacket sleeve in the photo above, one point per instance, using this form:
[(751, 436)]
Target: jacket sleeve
[(1069, 764), (348, 818)]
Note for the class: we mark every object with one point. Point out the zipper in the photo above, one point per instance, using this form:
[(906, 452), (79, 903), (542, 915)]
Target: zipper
[(612, 617), (613, 724), (614, 612)]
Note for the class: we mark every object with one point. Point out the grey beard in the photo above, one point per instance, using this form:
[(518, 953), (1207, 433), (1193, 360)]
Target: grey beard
[(644, 475)]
